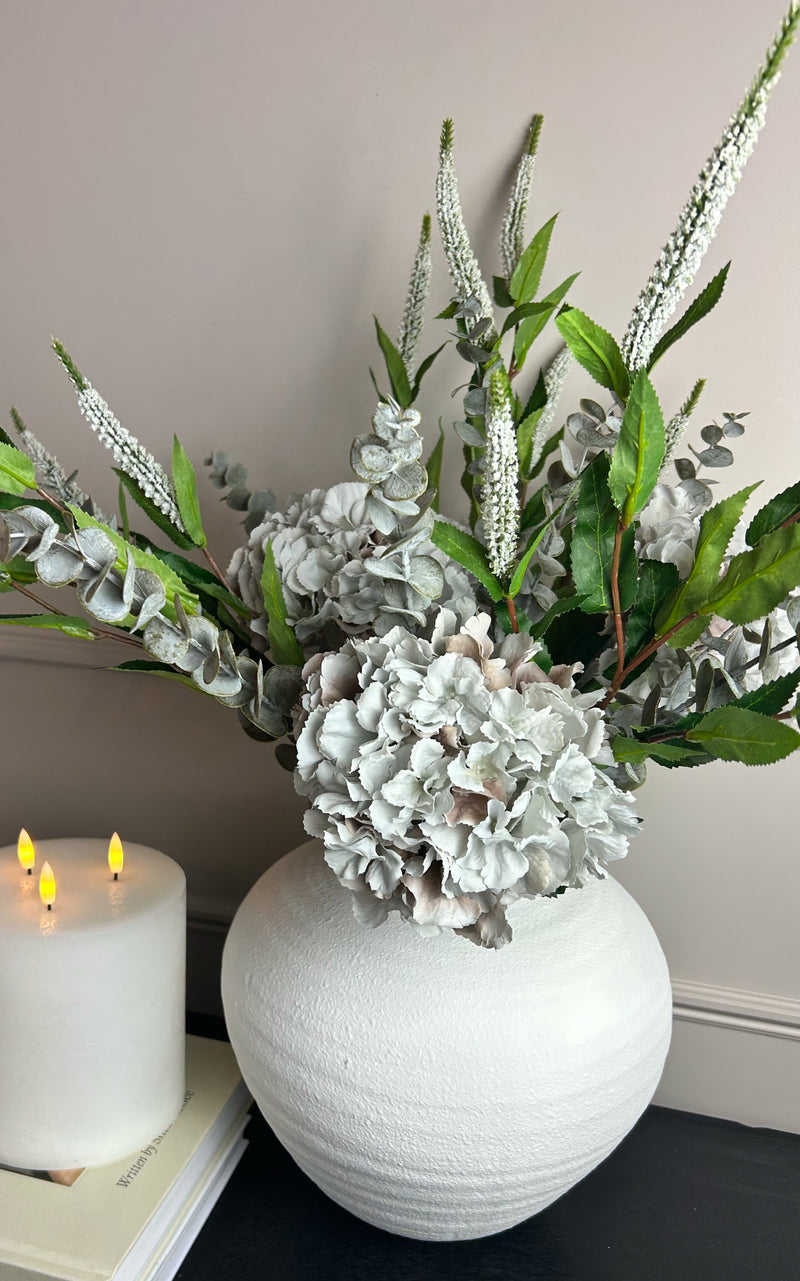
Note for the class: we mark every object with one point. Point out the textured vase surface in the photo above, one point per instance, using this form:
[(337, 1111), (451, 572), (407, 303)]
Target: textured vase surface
[(433, 1088)]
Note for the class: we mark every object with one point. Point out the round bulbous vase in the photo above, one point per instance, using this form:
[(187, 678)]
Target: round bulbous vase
[(431, 1087)]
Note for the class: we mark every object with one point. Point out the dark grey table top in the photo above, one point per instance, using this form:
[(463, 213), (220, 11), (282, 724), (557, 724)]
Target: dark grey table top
[(684, 1198)]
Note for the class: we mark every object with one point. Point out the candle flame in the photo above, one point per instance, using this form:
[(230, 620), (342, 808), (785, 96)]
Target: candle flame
[(115, 854), (47, 885), (25, 850)]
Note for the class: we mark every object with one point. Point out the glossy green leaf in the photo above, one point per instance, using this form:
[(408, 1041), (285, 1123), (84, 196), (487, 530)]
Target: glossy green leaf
[(395, 368), (150, 668), (17, 472), (185, 484), (657, 584), (758, 580), (738, 734), (717, 527), (466, 549), (526, 310), (422, 371), (633, 751), (525, 558), (434, 469), (783, 507), (593, 544), (563, 606), (531, 327), (525, 434), (77, 627), (283, 642), (700, 307), (639, 451), (500, 291), (528, 271), (595, 349), (162, 522)]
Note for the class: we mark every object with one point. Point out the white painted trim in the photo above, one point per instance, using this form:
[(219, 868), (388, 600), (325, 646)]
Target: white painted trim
[(758, 1012), (33, 645)]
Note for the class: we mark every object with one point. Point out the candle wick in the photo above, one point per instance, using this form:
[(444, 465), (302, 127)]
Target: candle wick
[(30, 871), (116, 876), (49, 907)]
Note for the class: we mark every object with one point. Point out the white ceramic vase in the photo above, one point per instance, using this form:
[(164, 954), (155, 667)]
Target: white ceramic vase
[(433, 1088)]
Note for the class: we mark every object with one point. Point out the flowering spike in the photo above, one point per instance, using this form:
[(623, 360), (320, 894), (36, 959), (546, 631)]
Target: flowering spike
[(673, 432), (512, 234), (136, 461), (464, 270), (679, 261), (49, 472), (500, 509), (416, 299), (554, 378)]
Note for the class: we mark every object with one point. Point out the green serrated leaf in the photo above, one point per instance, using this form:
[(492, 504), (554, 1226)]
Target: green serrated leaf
[(771, 698), (150, 668), (717, 527), (150, 510), (639, 451), (395, 368), (739, 734), (523, 312), (595, 349), (563, 606), (422, 371), (195, 576), (593, 544), (17, 472), (77, 627), (690, 633), (501, 295), (528, 271), (525, 434), (525, 558), (173, 584), (434, 469), (466, 549), (657, 583), (632, 751), (780, 509), (283, 642), (757, 581), (702, 305), (449, 311), (185, 484), (530, 329)]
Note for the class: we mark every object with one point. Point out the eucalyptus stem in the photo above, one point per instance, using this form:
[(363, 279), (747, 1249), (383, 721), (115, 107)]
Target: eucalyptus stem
[(98, 633)]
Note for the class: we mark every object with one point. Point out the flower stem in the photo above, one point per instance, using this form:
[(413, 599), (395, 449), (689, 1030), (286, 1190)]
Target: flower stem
[(512, 614), (619, 627), (621, 676)]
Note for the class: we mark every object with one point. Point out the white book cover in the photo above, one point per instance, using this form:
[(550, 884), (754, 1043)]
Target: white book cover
[(84, 1231)]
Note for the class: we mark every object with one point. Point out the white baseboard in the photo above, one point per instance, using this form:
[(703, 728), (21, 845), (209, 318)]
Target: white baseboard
[(727, 1007)]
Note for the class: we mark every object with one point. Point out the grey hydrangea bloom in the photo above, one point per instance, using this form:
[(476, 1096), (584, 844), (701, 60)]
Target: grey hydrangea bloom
[(447, 779), (339, 578)]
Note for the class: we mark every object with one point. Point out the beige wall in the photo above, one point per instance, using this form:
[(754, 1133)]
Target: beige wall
[(207, 201)]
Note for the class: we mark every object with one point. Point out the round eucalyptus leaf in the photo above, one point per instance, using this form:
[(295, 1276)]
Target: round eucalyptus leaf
[(469, 434), (712, 434), (594, 410), (732, 429), (716, 456), (685, 468), (408, 482)]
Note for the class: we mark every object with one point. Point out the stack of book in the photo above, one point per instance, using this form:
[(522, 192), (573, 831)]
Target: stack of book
[(134, 1220)]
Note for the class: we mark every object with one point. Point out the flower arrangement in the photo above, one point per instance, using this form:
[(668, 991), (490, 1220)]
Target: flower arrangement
[(468, 707)]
